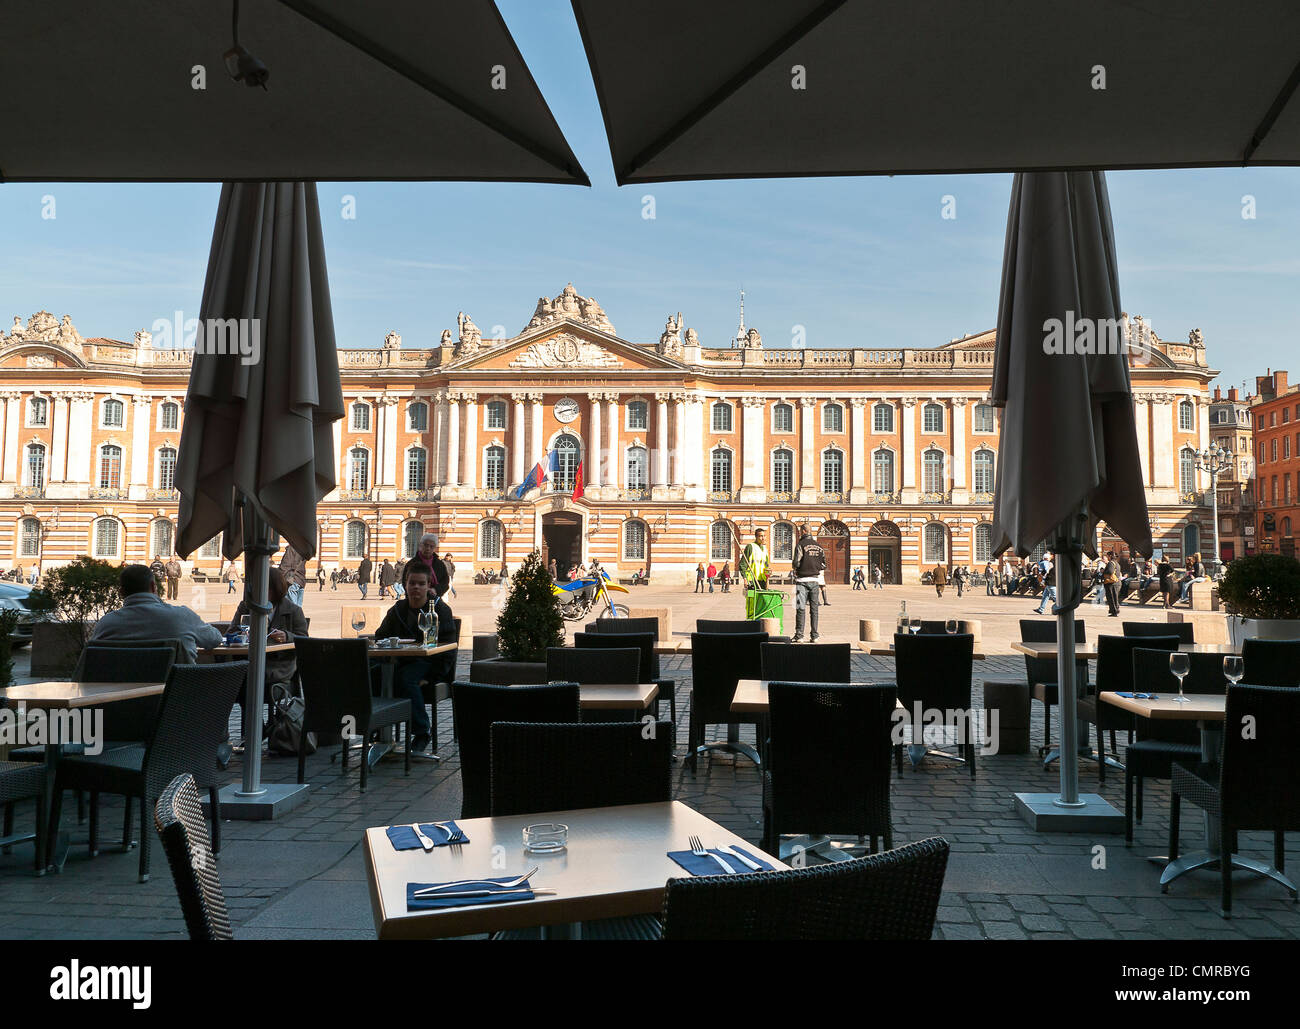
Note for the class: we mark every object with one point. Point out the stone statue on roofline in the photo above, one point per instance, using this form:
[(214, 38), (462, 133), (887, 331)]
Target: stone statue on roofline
[(1197, 339), (571, 305), (670, 340), (753, 341), (692, 338), (470, 336), (393, 341), (445, 339)]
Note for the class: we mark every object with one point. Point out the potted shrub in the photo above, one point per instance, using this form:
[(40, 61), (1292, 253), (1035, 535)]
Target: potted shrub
[(75, 595), (1262, 596), (528, 624)]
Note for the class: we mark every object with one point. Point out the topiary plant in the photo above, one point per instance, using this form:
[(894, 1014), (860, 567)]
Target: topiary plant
[(1262, 586), (79, 592), (530, 621)]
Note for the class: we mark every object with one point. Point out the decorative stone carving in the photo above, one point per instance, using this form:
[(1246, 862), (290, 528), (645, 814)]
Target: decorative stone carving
[(565, 351), (670, 340), (42, 327), (393, 341), (470, 336), (752, 401), (144, 339), (692, 338), (1196, 338), (571, 306), (445, 340), (40, 361), (753, 341)]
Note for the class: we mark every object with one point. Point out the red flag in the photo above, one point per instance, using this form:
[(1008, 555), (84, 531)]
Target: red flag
[(577, 482)]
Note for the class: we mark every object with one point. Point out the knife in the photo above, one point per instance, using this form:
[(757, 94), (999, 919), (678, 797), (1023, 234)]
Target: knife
[(429, 895), (755, 866), (425, 842)]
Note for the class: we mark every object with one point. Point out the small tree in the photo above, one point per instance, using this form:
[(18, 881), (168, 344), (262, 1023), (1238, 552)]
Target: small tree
[(8, 623), (1264, 586), (530, 621), (78, 593)]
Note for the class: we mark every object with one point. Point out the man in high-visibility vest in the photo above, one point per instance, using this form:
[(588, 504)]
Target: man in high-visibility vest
[(754, 561)]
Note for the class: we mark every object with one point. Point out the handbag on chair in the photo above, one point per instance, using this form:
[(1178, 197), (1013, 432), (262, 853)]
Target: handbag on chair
[(287, 710)]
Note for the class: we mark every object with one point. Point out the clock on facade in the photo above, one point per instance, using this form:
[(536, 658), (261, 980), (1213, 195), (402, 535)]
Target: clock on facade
[(566, 409)]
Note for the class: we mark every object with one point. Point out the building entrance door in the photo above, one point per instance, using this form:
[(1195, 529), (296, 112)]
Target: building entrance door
[(561, 540), (884, 548), (834, 540)]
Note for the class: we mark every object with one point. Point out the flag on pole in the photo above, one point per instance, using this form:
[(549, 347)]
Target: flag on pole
[(532, 480), (577, 482)]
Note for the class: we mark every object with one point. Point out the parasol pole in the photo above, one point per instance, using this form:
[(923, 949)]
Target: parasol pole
[(260, 542), (1067, 545)]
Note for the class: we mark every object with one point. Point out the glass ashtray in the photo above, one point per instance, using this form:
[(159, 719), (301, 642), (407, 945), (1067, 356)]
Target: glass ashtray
[(544, 837)]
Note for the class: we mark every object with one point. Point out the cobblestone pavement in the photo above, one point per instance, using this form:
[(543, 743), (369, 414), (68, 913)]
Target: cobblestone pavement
[(302, 876)]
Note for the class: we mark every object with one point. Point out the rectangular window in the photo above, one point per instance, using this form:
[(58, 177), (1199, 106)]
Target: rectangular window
[(417, 417), (783, 418), (110, 468), (932, 418), (636, 415), (494, 477), (832, 418), (832, 472), (721, 417), (360, 418), (170, 416), (114, 414), (490, 534), (31, 538), (783, 471), (634, 541), (636, 469), (167, 468), (496, 414), (416, 466), (882, 418)]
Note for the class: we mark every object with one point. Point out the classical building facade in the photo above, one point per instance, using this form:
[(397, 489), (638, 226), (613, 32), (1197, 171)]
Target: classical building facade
[(1276, 411), (890, 453), (1232, 427)]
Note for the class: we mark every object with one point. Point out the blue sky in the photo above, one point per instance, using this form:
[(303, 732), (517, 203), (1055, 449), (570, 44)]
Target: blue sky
[(865, 262)]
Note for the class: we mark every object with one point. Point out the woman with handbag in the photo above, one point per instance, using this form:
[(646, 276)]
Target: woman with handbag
[(286, 621)]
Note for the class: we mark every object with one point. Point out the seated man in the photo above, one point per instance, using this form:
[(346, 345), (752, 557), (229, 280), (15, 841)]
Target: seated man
[(144, 616), (402, 621)]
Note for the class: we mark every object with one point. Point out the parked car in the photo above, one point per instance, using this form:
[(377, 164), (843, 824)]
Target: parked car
[(14, 596)]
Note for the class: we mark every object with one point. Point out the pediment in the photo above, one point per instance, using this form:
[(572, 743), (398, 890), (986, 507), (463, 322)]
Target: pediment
[(39, 356), (562, 347)]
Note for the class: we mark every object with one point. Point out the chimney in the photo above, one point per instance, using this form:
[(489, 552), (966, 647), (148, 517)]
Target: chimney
[(1232, 393), (1264, 385), (1218, 394), (1279, 383)]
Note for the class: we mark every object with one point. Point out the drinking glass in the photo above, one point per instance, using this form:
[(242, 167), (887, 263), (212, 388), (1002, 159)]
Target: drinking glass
[(1180, 664), (425, 622), (951, 626), (358, 621), (1233, 668), (243, 628), (914, 626)]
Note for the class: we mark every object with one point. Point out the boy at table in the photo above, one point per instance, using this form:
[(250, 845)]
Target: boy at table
[(402, 621)]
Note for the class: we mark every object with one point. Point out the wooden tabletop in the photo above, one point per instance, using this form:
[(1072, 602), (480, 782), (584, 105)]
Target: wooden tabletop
[(617, 697), (1088, 651), (887, 650), (411, 651), (64, 694), (241, 649), (1199, 706), (672, 646), (616, 864), (750, 697)]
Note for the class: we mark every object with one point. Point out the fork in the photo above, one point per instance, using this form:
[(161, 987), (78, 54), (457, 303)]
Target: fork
[(509, 884), (697, 848), (454, 836)]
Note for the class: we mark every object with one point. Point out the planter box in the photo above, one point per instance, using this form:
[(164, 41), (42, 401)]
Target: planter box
[(1242, 629), (498, 671), (56, 648)]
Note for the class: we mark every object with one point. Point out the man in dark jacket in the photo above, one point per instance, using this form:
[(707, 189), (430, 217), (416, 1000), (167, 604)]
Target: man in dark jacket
[(809, 562), (1110, 581), (387, 576), (403, 621), (363, 575)]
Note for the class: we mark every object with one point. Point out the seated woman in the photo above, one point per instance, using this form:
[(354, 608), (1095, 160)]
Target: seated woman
[(286, 621)]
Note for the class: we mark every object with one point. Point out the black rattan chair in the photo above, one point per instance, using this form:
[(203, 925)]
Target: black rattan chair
[(335, 678), (805, 662), (23, 780), (890, 896), (718, 662), (649, 670), (715, 625), (828, 761), (1185, 631), (1160, 742), (1115, 675), (1271, 662), (128, 721), (1256, 785), (476, 706), (624, 625), (592, 667), (935, 672), (1042, 672), (191, 724), (179, 820)]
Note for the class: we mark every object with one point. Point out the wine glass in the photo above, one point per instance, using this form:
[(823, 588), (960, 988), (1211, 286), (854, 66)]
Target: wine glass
[(914, 626), (1180, 664), (951, 626), (1233, 668), (358, 621), (243, 628), (425, 622)]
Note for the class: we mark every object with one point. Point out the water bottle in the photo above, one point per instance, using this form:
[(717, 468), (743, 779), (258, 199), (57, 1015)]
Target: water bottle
[(901, 624)]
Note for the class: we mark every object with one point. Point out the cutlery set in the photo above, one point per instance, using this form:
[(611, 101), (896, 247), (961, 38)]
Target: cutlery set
[(699, 850), (454, 837)]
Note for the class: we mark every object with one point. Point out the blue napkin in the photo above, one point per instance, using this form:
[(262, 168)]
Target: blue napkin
[(707, 866), (414, 903), (1136, 696), (403, 836)]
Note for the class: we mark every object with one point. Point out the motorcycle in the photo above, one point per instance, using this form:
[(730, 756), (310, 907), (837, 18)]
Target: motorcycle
[(578, 598)]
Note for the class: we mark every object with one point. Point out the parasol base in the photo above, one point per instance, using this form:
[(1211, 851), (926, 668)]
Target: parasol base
[(276, 799), (1093, 814)]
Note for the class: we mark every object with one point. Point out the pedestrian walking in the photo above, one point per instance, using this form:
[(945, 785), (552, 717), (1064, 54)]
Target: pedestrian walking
[(363, 575), (334, 580), (1110, 581), (387, 576), (809, 564), (821, 586), (940, 579), (231, 577), (877, 577), (959, 578), (724, 577), (712, 573), (1048, 570), (989, 576), (699, 577), (399, 570), (320, 577)]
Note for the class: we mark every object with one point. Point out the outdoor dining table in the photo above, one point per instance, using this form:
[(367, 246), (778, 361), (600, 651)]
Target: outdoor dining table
[(1088, 651), (887, 650), (1208, 712), (615, 864), (616, 697), (62, 695), (669, 647), (389, 656), (240, 650)]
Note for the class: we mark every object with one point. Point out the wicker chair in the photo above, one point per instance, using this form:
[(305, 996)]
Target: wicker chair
[(890, 896), (820, 733), (718, 662), (23, 780), (590, 667), (624, 625), (1114, 675), (179, 820), (191, 724), (805, 662), (935, 671), (1161, 742), (1041, 672), (1271, 662), (714, 625), (1256, 786), (1185, 631), (336, 687), (476, 706), (649, 670)]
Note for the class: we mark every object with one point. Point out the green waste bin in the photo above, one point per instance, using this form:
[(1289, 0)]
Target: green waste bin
[(765, 604)]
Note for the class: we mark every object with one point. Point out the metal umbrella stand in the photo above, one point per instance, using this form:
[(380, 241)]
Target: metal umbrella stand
[(259, 544)]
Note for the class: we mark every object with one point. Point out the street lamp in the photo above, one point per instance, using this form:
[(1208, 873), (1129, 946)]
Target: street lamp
[(1214, 459)]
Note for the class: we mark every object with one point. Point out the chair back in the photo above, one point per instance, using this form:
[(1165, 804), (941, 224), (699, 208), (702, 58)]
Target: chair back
[(192, 722), (1260, 780), (335, 675), (128, 720), (805, 662), (648, 670), (624, 625), (568, 765), (1185, 631), (1043, 630), (1115, 658), (174, 645), (1271, 662), (890, 896), (822, 732), (935, 670), (449, 632), (184, 833), (718, 662), (592, 667), (1151, 674), (715, 625)]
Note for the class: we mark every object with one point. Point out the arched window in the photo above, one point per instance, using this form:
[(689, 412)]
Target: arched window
[(882, 471), (110, 467), (721, 417), (983, 418), (832, 418), (166, 468), (496, 414), (637, 417), (114, 414), (783, 470), (29, 537), (983, 462), (720, 469), (36, 465), (637, 461), (494, 468), (1187, 471), (882, 417), (37, 412), (108, 537), (782, 541), (935, 543), (489, 535), (212, 548), (1186, 416), (360, 417), (170, 418), (932, 418), (567, 455), (160, 538), (417, 468), (359, 468), (354, 539), (411, 533), (984, 542), (932, 464), (1037, 553), (634, 540), (783, 418), (1286, 526), (1191, 540), (833, 471), (720, 546), (417, 416)]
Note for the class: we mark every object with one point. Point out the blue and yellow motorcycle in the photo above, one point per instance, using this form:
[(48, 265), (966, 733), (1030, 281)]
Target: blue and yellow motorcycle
[(577, 599)]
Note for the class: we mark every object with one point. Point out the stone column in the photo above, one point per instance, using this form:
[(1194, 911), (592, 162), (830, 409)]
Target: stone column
[(80, 423), (961, 495), (138, 456), (695, 485), (808, 450), (615, 474), (677, 475), (536, 445), (518, 444), (595, 447), (469, 469), (1142, 415), (907, 438), (858, 486), (59, 457), (13, 421), (752, 489), (453, 439), (340, 460), (1201, 410), (387, 443), (1164, 459), (659, 473)]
